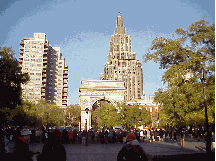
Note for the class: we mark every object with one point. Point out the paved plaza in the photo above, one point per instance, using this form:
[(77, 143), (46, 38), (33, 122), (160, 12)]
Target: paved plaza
[(107, 152)]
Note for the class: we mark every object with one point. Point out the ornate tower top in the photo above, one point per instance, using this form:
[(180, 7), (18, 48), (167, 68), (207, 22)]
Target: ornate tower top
[(120, 29)]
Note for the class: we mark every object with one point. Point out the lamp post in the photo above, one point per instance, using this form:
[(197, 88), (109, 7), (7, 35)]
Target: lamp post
[(208, 139), (87, 110)]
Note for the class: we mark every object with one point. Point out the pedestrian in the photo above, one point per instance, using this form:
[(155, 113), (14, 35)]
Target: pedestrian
[(21, 149), (95, 136), (132, 151), (141, 136), (106, 137), (65, 137), (148, 134), (70, 136), (170, 134), (53, 150), (175, 133), (84, 136), (213, 140), (32, 136)]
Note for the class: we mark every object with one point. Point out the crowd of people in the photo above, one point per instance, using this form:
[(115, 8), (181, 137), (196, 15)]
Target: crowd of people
[(55, 138), (70, 136)]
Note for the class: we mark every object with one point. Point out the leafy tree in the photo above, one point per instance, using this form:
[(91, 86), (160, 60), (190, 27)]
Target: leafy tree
[(42, 113), (11, 79), (121, 114), (73, 115), (48, 114), (107, 116), (182, 56), (133, 115)]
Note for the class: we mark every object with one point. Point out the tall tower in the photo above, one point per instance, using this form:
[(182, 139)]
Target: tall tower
[(46, 68), (122, 64)]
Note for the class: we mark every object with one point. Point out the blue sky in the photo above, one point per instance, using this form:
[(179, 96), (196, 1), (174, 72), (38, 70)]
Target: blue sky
[(83, 28)]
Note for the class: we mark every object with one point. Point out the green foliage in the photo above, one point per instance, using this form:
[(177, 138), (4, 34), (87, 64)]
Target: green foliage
[(133, 115), (73, 115), (10, 79), (42, 113), (107, 116), (182, 57), (122, 114)]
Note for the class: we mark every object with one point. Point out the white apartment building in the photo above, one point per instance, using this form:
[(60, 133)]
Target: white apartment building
[(47, 70)]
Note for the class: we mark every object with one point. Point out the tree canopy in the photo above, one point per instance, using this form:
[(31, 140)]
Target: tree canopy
[(109, 115), (73, 115), (182, 56), (40, 114), (10, 79)]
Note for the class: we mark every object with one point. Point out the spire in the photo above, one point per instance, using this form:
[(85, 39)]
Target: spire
[(120, 29)]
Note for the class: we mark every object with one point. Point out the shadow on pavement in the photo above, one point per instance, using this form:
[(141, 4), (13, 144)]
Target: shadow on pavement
[(185, 157)]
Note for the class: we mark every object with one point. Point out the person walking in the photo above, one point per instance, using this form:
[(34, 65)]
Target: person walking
[(53, 150), (132, 151), (175, 135), (21, 149), (141, 136), (213, 141), (84, 136)]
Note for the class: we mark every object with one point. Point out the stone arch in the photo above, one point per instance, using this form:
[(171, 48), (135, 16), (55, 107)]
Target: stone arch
[(100, 103), (94, 90)]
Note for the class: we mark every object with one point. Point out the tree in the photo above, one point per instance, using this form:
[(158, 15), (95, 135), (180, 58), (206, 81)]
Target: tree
[(133, 115), (49, 114), (109, 115), (40, 114), (73, 115), (182, 56), (11, 79)]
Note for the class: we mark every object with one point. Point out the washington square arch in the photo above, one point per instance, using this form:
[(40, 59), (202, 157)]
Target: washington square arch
[(92, 91)]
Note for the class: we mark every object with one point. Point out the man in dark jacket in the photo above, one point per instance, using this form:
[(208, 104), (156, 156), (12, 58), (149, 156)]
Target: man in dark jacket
[(132, 151), (53, 150), (21, 149)]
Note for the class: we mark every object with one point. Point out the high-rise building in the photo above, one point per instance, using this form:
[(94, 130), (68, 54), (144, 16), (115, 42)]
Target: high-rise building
[(122, 64), (46, 68)]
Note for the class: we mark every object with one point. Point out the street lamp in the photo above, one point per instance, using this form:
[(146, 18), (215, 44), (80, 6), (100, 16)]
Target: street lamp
[(87, 110), (208, 139)]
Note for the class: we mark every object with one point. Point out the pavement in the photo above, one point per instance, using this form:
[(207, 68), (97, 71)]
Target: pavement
[(107, 152)]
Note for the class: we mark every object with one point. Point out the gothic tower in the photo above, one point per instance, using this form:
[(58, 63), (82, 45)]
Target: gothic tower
[(122, 64)]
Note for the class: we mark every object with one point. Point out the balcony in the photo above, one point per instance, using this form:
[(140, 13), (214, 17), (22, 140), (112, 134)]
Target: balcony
[(65, 76), (64, 98), (21, 58), (65, 86), (65, 72), (64, 92), (22, 42), (22, 48), (46, 44), (64, 102), (21, 53)]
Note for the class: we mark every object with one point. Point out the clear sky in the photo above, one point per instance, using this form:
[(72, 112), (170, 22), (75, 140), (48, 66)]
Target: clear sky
[(83, 28)]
